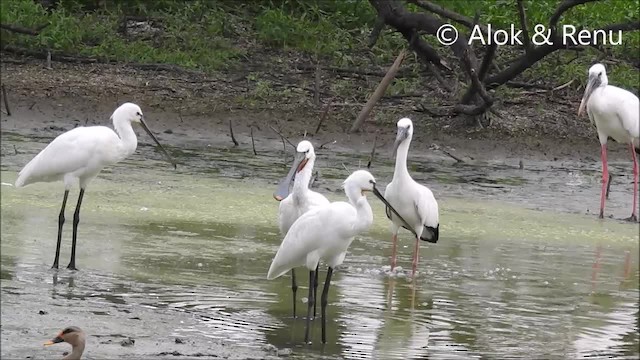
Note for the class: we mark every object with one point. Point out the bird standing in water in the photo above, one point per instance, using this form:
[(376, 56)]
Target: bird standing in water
[(325, 232), (414, 202), (299, 201), (78, 155), (616, 114)]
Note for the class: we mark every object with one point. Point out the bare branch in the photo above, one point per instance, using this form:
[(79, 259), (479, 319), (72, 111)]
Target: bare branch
[(562, 8), (375, 32), (23, 30), (623, 26), (523, 25), (442, 11)]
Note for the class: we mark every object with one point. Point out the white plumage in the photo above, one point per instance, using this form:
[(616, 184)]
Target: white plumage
[(325, 232), (616, 113), (414, 202), (78, 155), (300, 200)]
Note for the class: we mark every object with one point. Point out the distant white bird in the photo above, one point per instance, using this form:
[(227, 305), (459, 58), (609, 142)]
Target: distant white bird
[(299, 201), (616, 113), (414, 202), (78, 155), (325, 232)]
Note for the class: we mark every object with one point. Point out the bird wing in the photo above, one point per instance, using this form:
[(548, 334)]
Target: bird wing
[(313, 230), (427, 208), (628, 112), (69, 152), (316, 199)]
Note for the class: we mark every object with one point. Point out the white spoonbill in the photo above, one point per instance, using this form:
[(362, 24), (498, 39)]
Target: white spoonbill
[(616, 114), (414, 202), (325, 232), (299, 201), (78, 155)]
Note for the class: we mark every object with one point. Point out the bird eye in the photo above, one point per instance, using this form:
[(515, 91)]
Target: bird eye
[(138, 113), (67, 330)]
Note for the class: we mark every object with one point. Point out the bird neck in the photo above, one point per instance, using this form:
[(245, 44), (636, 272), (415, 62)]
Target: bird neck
[(76, 351), (129, 141), (363, 209), (301, 183), (401, 159)]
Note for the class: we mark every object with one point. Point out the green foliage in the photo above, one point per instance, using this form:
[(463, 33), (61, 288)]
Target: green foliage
[(213, 34)]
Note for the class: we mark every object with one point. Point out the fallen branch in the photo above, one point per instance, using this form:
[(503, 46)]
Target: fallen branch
[(6, 101), (233, 138), (377, 94), (282, 136), (23, 30), (325, 112)]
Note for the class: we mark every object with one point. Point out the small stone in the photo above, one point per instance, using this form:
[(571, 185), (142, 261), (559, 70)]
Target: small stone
[(168, 131), (127, 342), (179, 341), (42, 312)]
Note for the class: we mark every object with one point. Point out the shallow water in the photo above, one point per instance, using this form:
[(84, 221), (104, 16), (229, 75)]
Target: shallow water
[(183, 254)]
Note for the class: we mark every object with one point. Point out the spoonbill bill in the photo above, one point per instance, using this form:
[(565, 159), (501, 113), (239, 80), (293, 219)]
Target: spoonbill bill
[(325, 232), (414, 202), (299, 201), (78, 155), (75, 337), (616, 114)]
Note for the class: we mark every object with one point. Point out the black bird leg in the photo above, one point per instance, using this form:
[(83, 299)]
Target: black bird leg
[(315, 291), (60, 223), (311, 304), (323, 304), (294, 288), (76, 220)]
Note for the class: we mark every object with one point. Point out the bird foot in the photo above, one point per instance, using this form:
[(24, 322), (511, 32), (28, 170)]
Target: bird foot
[(72, 267), (54, 266), (632, 218)]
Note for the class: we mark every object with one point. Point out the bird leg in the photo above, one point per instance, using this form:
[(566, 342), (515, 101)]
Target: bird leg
[(76, 220), (60, 223), (315, 291), (310, 304), (415, 258), (634, 216), (323, 304), (294, 288), (605, 179), (394, 241)]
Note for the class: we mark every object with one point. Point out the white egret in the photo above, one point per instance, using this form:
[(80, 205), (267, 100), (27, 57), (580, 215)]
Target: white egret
[(78, 155), (299, 201), (414, 202), (616, 114), (325, 232)]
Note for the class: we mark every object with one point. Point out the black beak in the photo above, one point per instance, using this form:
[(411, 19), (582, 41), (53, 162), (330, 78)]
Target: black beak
[(377, 193), (402, 135), (285, 184), (594, 82), (146, 128), (55, 340)]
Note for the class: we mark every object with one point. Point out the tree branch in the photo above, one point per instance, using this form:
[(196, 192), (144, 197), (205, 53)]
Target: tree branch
[(442, 11), (562, 8), (523, 25), (375, 32), (23, 30)]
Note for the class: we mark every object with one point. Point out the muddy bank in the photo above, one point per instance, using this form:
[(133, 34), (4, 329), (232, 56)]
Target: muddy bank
[(198, 106)]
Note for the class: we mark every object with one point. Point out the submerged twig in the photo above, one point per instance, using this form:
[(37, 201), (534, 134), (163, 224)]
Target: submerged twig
[(373, 152), (253, 143), (233, 138), (608, 186), (6, 102), (326, 143)]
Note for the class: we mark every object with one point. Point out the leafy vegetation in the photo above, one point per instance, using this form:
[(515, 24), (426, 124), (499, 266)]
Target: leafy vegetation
[(213, 35)]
